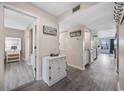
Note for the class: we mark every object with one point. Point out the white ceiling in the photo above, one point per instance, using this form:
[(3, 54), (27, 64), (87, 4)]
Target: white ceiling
[(56, 8), (17, 20), (98, 17)]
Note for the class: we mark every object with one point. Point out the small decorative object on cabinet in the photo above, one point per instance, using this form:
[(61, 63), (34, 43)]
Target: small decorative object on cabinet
[(54, 69)]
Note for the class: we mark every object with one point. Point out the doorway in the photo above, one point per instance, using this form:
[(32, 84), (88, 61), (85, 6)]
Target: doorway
[(107, 45), (20, 48)]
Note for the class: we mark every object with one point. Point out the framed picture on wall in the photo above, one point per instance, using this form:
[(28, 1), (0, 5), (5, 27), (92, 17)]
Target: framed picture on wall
[(49, 30), (75, 33)]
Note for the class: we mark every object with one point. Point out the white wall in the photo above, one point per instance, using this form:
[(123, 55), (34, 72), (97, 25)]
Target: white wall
[(26, 35), (1, 49), (73, 47), (63, 42), (121, 57), (83, 6), (46, 44), (106, 33), (10, 32), (87, 40)]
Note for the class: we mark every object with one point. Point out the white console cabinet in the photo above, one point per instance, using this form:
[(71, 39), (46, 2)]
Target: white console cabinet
[(53, 69), (12, 56)]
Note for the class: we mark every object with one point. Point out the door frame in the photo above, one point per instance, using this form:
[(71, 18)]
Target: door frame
[(4, 5), (32, 53), (2, 46)]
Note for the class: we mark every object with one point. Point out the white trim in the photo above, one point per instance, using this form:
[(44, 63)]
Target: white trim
[(118, 87), (11, 7), (2, 46), (83, 68)]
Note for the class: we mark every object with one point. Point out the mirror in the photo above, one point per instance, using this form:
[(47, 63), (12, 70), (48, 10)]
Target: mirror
[(12, 44)]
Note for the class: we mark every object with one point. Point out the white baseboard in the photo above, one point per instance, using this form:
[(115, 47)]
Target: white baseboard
[(28, 63), (77, 67)]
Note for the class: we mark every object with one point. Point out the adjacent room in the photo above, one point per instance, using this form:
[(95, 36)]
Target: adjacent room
[(107, 41), (19, 52)]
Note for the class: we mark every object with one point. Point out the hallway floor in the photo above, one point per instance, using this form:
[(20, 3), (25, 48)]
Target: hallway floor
[(99, 76), (17, 74)]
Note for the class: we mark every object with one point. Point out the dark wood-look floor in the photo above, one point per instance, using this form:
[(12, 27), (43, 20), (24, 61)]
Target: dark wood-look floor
[(99, 76), (17, 74)]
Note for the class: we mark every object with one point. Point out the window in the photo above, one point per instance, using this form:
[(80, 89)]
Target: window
[(105, 45)]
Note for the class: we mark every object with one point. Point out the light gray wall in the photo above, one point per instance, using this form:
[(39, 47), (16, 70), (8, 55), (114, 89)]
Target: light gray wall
[(87, 39), (1, 48), (10, 32), (121, 57), (75, 49), (106, 33)]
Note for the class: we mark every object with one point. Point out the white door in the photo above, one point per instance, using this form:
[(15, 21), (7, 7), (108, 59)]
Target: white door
[(63, 42), (33, 54), (87, 39)]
